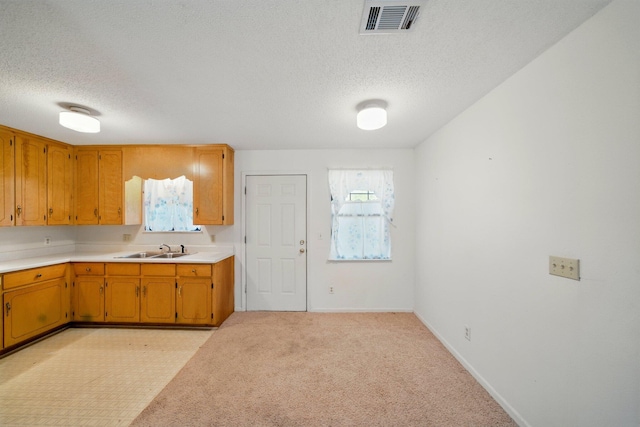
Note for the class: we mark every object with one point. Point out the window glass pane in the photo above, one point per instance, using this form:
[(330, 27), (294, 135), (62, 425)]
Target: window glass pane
[(362, 204), (168, 205)]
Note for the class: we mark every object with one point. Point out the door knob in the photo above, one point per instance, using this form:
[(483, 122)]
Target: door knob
[(301, 242), (301, 250)]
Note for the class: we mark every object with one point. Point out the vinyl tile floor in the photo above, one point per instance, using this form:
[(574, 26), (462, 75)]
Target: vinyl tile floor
[(92, 377)]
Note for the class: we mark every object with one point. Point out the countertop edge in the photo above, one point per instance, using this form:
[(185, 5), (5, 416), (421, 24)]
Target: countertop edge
[(43, 261)]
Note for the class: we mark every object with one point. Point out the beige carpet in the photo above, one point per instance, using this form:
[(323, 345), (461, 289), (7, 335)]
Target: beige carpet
[(321, 369)]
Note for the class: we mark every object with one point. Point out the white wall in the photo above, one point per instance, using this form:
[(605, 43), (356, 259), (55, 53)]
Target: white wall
[(359, 286), (22, 242), (546, 164)]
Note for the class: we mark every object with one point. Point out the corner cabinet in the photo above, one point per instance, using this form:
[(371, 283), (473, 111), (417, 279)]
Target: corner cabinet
[(213, 186), (34, 302), (99, 187)]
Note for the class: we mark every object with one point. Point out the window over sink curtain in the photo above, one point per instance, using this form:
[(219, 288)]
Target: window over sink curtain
[(168, 205), (362, 203)]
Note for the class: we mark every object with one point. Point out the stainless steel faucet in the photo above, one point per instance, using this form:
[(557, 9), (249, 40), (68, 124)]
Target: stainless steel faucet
[(167, 246)]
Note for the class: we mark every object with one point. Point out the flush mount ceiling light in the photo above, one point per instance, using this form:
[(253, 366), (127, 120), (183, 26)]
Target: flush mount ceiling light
[(372, 115), (80, 120)]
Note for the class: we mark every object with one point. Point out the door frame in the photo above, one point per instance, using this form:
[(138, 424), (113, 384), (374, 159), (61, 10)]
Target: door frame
[(244, 229)]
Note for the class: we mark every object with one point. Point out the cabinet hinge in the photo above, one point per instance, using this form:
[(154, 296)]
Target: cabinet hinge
[(176, 285), (223, 217), (211, 316), (212, 286), (66, 315), (176, 315), (223, 155), (44, 150)]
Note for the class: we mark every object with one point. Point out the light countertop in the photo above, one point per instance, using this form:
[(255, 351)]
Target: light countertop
[(203, 257)]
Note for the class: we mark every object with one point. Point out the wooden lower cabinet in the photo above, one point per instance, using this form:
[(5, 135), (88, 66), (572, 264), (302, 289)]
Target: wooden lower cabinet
[(193, 301), (122, 300), (158, 303), (222, 295), (88, 301), (35, 309)]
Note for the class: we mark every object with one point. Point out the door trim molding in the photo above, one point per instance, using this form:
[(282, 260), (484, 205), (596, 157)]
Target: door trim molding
[(243, 246)]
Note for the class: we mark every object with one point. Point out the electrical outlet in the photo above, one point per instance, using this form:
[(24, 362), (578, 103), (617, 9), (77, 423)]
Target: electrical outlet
[(331, 289), (564, 267), (213, 237), (126, 237), (467, 332), (47, 241)]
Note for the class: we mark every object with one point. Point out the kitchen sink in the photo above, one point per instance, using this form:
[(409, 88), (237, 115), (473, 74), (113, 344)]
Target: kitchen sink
[(171, 255), (141, 255)]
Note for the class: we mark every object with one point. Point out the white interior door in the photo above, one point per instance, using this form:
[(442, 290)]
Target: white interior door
[(276, 242)]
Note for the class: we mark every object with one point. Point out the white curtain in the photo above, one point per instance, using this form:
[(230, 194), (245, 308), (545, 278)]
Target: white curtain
[(360, 230), (168, 205)]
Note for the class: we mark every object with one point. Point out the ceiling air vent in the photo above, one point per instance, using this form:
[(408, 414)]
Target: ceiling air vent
[(390, 16)]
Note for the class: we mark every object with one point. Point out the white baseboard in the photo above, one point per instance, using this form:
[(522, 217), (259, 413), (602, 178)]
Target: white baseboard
[(484, 383)]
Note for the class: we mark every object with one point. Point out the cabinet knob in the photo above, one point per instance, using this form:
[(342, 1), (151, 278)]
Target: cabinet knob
[(38, 276), (8, 305), (50, 211), (88, 269), (197, 211), (95, 212), (194, 271)]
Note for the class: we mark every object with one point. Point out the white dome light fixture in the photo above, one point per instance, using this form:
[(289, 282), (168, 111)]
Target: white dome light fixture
[(372, 114), (80, 120)]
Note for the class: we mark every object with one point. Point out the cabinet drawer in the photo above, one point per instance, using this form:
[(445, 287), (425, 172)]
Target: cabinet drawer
[(191, 270), (123, 269), (159, 270), (88, 268), (34, 275)]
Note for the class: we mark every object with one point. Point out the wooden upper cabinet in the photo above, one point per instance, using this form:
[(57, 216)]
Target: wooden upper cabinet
[(111, 192), (99, 187), (7, 174), (86, 178), (31, 180), (213, 186), (59, 184)]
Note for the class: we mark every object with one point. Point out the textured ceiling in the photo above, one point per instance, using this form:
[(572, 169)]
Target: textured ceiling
[(261, 74)]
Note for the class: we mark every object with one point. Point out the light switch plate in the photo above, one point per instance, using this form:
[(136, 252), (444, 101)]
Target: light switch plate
[(564, 267)]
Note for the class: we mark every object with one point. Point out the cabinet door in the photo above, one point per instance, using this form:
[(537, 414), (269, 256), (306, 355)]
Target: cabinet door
[(158, 304), (193, 300), (31, 181), (111, 187), (88, 302), (86, 203), (33, 310), (207, 186), (122, 299), (7, 176), (59, 183)]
